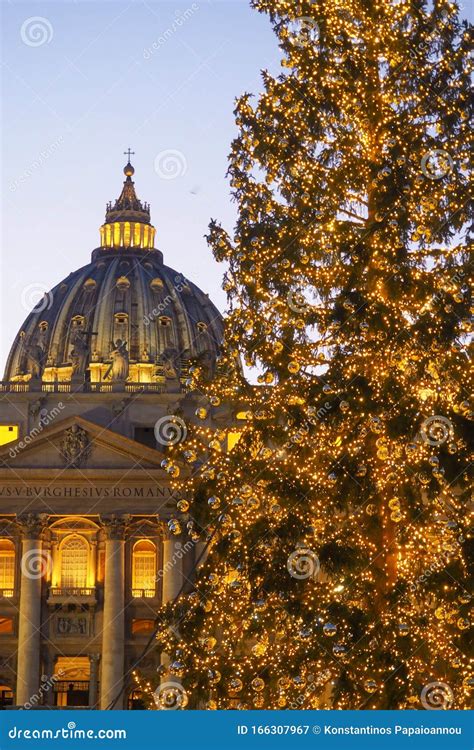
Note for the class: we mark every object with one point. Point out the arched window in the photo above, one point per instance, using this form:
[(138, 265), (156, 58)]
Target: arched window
[(7, 567), (74, 562), (143, 568)]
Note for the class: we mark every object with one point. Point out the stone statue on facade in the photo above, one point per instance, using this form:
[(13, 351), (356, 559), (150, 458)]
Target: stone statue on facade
[(118, 370), (79, 352), (35, 359)]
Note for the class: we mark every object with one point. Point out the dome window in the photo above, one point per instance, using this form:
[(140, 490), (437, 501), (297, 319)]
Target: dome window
[(164, 321), (156, 284), (121, 319), (123, 284), (201, 326), (89, 285), (43, 326), (78, 321)]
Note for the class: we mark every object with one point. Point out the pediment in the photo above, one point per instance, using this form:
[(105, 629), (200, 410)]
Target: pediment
[(78, 444)]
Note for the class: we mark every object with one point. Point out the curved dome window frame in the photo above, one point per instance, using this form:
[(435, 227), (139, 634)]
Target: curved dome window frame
[(156, 284)]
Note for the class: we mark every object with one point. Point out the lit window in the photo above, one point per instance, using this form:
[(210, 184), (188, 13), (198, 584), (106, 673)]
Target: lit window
[(6, 625), (121, 319), (142, 627), (201, 326), (143, 568), (122, 283), (74, 562), (164, 321), (232, 439), (43, 326), (7, 567), (89, 285), (78, 321), (156, 284), (8, 433), (126, 234)]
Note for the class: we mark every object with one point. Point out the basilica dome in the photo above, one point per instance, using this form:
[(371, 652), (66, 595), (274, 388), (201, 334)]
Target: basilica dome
[(124, 317)]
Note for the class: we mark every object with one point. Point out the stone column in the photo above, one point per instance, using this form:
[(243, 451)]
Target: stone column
[(113, 626), (34, 564), (94, 673), (48, 670)]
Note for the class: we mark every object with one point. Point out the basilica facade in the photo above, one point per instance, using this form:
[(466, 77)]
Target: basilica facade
[(93, 394)]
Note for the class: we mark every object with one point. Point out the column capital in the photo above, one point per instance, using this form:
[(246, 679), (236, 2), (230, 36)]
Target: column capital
[(32, 525), (115, 527)]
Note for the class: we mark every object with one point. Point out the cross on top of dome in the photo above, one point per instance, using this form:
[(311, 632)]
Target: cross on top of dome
[(128, 207), (128, 170)]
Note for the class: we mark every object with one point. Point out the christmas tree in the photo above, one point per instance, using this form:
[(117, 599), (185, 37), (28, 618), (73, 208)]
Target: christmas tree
[(336, 565)]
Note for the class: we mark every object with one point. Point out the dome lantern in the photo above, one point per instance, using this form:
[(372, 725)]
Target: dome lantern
[(127, 221)]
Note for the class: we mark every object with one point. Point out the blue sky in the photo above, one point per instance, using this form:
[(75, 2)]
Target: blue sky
[(91, 78), (156, 76)]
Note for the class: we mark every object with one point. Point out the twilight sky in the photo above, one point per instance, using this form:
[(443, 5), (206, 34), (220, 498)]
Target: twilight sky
[(84, 82), (85, 79)]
